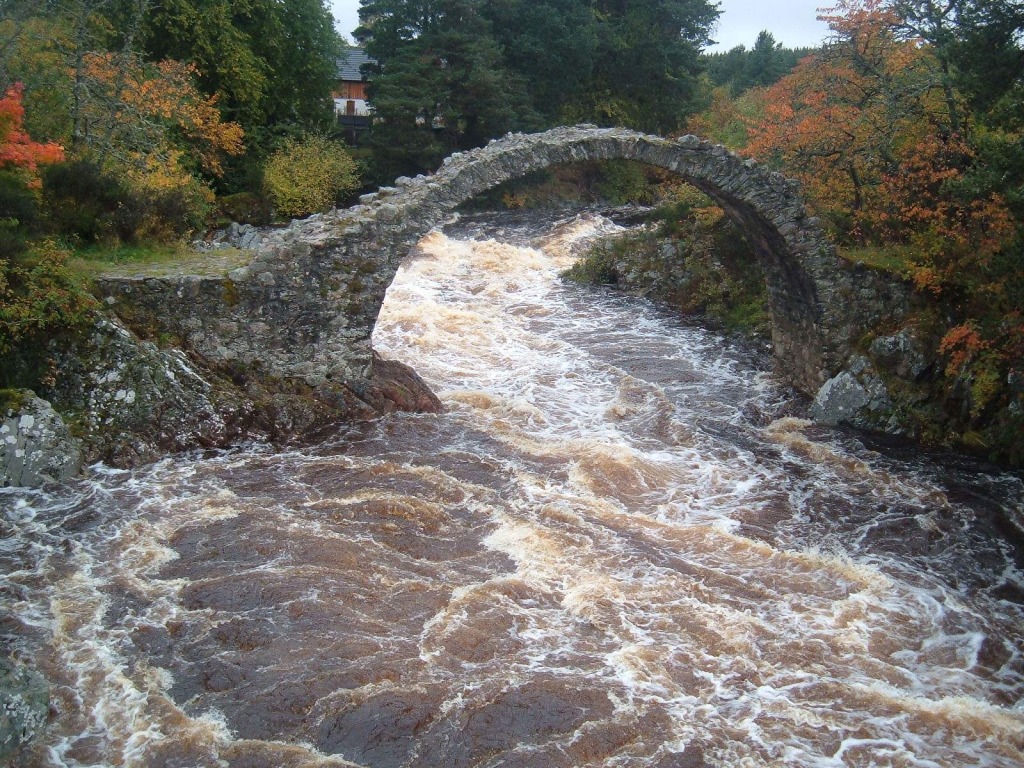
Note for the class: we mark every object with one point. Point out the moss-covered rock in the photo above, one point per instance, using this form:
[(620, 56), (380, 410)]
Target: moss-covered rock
[(36, 446), (24, 707)]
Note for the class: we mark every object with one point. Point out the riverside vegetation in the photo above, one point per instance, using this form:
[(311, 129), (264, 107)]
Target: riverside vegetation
[(905, 132)]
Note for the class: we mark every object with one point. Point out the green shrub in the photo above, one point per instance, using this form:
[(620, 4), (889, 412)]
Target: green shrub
[(40, 302), (245, 207), (164, 214), (596, 268), (309, 175), (81, 201), (625, 182), (87, 205), (18, 214)]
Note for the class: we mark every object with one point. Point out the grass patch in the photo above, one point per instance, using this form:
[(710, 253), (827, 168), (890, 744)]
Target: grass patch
[(154, 260), (135, 253), (897, 260), (12, 400)]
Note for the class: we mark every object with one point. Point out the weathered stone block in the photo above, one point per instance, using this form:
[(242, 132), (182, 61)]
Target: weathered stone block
[(36, 446)]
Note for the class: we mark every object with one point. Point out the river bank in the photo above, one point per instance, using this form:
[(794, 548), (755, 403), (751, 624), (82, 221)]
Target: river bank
[(621, 544), (896, 380)]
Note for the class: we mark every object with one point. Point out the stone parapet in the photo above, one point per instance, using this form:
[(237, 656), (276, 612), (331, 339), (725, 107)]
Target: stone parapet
[(306, 305)]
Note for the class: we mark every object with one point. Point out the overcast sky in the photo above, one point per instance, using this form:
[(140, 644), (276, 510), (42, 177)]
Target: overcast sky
[(792, 22)]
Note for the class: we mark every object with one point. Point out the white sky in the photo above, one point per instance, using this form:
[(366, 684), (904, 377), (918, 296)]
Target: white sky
[(792, 22)]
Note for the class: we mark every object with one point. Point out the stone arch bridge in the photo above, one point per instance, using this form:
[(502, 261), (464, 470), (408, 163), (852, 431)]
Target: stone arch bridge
[(305, 307)]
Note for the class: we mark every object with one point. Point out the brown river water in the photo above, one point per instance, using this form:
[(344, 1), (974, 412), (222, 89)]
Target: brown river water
[(622, 545)]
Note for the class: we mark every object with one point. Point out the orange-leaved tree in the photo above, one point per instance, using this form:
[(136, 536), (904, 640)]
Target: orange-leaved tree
[(840, 120), (138, 111), (888, 154), (18, 152), (953, 237), (38, 298), (148, 126)]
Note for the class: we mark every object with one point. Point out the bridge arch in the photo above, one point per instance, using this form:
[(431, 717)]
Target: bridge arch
[(306, 305), (801, 267)]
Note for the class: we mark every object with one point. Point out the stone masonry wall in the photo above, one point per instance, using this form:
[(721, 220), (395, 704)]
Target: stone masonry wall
[(305, 307)]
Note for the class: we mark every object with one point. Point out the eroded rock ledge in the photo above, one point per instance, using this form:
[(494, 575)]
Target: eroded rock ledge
[(126, 401)]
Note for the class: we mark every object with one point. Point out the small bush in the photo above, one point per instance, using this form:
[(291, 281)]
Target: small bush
[(40, 301), (245, 208), (596, 268), (87, 205), (164, 214), (309, 175), (81, 201)]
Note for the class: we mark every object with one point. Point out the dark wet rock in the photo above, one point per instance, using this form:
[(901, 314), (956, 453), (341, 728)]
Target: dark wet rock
[(902, 353), (396, 386), (382, 729), (36, 446), (856, 396), (134, 401), (691, 757), (24, 706), (531, 714)]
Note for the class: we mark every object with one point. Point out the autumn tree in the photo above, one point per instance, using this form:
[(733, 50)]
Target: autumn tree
[(18, 152), (38, 299), (893, 153), (144, 115), (20, 159), (840, 119)]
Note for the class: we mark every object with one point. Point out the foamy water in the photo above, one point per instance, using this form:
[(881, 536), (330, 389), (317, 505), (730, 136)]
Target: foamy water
[(622, 545)]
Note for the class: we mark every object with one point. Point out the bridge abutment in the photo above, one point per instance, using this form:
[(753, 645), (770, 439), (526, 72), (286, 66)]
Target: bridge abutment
[(305, 307)]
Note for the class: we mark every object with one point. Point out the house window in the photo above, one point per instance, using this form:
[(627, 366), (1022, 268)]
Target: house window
[(350, 107)]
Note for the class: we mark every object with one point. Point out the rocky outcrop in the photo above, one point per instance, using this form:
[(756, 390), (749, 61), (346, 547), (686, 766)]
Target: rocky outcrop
[(36, 446), (235, 235), (24, 707), (135, 402), (397, 387), (306, 306), (903, 353), (857, 397)]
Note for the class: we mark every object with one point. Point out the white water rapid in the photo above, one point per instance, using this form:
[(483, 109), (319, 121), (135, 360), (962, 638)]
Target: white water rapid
[(620, 546)]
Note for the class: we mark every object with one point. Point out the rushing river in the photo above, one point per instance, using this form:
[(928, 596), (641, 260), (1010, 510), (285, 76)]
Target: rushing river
[(621, 545)]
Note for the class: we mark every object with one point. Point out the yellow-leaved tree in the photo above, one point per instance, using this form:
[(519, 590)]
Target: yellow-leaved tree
[(309, 175)]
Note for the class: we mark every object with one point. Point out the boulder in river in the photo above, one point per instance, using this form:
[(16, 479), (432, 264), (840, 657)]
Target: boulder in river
[(24, 706)]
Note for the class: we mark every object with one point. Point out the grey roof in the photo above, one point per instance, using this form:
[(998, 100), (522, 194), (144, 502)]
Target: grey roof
[(350, 61)]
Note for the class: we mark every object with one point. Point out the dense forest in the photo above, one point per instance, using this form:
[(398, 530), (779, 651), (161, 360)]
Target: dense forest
[(451, 74), (134, 122)]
